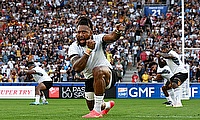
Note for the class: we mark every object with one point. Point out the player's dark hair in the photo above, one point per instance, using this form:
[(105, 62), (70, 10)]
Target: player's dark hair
[(30, 64), (84, 20), (164, 46)]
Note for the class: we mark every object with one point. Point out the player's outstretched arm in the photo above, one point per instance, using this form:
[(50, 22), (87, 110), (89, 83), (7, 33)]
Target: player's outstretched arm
[(115, 35), (164, 55), (29, 72)]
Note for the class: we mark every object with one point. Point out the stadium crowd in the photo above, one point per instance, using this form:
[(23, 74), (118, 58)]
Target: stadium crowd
[(42, 30)]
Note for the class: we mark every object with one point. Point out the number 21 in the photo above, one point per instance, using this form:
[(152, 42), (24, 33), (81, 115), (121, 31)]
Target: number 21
[(155, 12)]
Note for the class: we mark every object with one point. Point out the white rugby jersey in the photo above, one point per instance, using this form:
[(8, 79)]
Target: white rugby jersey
[(175, 64), (39, 78), (166, 76), (96, 58)]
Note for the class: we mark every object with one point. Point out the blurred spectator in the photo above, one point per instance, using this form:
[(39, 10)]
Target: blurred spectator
[(135, 77), (109, 55), (130, 61), (13, 77), (1, 77), (63, 74), (145, 77), (135, 49), (143, 56), (119, 69), (198, 73), (152, 70), (141, 69)]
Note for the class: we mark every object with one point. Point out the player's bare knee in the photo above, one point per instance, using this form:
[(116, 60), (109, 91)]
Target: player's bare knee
[(98, 71), (174, 85), (168, 87), (163, 88), (37, 88)]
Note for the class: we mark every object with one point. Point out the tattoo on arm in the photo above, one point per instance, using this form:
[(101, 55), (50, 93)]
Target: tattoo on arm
[(73, 59), (79, 63)]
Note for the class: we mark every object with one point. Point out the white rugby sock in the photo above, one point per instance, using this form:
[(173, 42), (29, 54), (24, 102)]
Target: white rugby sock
[(171, 94), (177, 95), (37, 98), (43, 98), (169, 98), (98, 100)]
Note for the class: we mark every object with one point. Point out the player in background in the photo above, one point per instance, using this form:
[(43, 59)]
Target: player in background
[(178, 69), (87, 55), (164, 72), (44, 82)]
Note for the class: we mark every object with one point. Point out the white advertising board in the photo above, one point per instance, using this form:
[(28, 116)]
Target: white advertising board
[(15, 92)]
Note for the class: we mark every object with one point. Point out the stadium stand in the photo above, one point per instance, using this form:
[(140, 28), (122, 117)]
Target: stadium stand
[(42, 30)]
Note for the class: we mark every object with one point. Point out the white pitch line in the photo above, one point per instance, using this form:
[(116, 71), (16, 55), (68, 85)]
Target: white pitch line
[(161, 116), (137, 116)]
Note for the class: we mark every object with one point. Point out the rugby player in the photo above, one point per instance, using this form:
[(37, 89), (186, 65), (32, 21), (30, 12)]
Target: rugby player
[(44, 82), (178, 69), (87, 55)]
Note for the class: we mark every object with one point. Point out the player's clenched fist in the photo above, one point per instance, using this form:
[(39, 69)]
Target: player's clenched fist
[(90, 44)]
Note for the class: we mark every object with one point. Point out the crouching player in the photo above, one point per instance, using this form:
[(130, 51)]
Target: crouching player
[(44, 82), (177, 68), (164, 72)]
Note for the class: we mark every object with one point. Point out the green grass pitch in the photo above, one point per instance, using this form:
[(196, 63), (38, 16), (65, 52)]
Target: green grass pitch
[(73, 109)]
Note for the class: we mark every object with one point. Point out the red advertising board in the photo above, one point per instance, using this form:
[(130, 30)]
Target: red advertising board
[(54, 92)]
